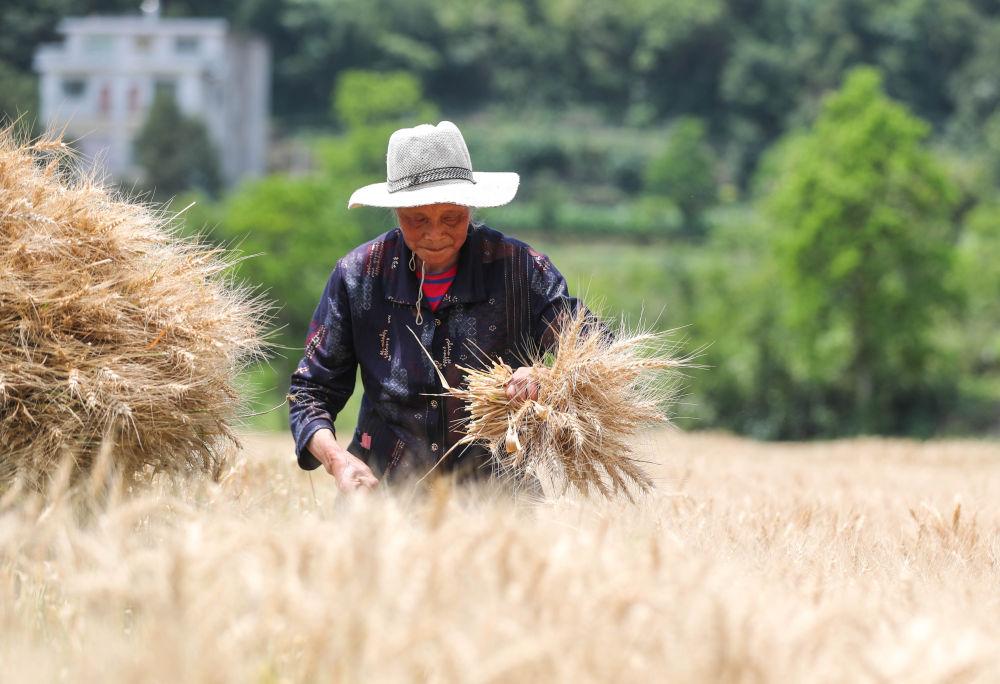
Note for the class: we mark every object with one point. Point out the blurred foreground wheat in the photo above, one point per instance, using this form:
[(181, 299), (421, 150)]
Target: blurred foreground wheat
[(861, 561)]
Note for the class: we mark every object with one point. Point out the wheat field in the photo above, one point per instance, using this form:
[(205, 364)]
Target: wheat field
[(864, 561)]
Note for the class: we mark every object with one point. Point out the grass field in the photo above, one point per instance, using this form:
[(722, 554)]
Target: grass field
[(870, 560)]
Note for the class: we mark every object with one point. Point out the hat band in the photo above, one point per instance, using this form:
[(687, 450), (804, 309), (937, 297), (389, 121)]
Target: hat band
[(430, 176)]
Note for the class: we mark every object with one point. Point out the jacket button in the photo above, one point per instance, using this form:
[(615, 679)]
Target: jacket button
[(437, 321), (434, 403), (434, 446)]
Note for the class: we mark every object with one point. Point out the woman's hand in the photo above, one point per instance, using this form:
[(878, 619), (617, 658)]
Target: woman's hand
[(522, 385), (351, 473)]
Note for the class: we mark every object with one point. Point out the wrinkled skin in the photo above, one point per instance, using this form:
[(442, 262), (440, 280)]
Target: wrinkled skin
[(435, 233)]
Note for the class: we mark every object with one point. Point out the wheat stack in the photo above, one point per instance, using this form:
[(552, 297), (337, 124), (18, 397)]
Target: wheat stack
[(595, 394), (113, 330)]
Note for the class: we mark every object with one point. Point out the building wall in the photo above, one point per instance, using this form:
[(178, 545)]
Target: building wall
[(99, 83)]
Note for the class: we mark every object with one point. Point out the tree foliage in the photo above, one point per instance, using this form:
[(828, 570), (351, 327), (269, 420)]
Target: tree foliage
[(175, 152), (292, 230), (862, 214), (369, 98), (831, 304), (976, 87), (684, 172), (18, 95), (979, 277), (370, 105), (749, 70)]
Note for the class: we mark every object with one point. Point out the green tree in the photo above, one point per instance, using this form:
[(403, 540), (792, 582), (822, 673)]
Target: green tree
[(18, 97), (862, 214), (734, 311), (979, 273), (976, 87), (26, 23), (370, 105), (685, 173), (290, 231), (175, 151), (294, 230), (371, 98)]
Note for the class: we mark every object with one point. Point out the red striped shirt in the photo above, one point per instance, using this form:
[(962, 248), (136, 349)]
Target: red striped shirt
[(437, 284)]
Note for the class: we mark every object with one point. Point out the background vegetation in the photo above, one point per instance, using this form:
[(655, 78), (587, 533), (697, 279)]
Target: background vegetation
[(809, 188)]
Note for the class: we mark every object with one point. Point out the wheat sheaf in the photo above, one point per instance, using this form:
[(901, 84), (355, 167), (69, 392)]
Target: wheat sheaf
[(115, 333), (598, 389)]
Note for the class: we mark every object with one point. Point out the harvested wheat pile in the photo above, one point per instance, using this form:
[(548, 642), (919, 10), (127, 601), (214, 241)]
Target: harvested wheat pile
[(113, 330), (595, 394)]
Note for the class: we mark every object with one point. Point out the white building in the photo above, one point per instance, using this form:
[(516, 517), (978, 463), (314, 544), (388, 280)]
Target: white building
[(99, 83)]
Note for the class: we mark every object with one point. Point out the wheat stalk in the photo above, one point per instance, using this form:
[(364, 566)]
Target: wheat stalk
[(595, 394)]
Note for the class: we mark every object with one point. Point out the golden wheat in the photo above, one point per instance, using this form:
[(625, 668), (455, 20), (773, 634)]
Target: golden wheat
[(596, 392), (112, 328), (861, 561)]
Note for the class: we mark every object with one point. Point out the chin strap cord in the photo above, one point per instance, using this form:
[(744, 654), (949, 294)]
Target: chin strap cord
[(420, 288)]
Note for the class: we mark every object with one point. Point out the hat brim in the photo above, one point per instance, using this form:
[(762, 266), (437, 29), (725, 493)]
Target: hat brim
[(490, 189)]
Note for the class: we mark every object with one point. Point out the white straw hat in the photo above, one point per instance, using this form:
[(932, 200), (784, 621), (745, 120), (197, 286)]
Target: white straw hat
[(429, 165)]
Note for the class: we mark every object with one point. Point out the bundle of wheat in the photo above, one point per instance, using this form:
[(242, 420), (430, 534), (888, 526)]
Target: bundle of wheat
[(113, 329), (595, 394)]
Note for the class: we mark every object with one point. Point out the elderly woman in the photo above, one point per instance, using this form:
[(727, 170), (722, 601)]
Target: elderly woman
[(464, 290)]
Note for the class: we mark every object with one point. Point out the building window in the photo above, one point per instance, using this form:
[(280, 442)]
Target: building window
[(186, 45), (134, 98), (74, 87), (104, 100), (98, 44)]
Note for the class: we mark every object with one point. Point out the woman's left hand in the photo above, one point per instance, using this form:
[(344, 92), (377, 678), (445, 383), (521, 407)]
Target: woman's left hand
[(522, 385)]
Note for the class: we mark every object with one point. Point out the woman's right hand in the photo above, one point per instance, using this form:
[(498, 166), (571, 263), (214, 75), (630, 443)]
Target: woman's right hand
[(351, 473)]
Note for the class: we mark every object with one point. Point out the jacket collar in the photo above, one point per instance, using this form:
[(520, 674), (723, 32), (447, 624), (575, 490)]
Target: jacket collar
[(400, 283)]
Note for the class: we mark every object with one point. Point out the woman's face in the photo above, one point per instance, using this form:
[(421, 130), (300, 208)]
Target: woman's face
[(435, 232)]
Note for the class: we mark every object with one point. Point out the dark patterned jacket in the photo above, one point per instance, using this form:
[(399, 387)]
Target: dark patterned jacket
[(502, 301)]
